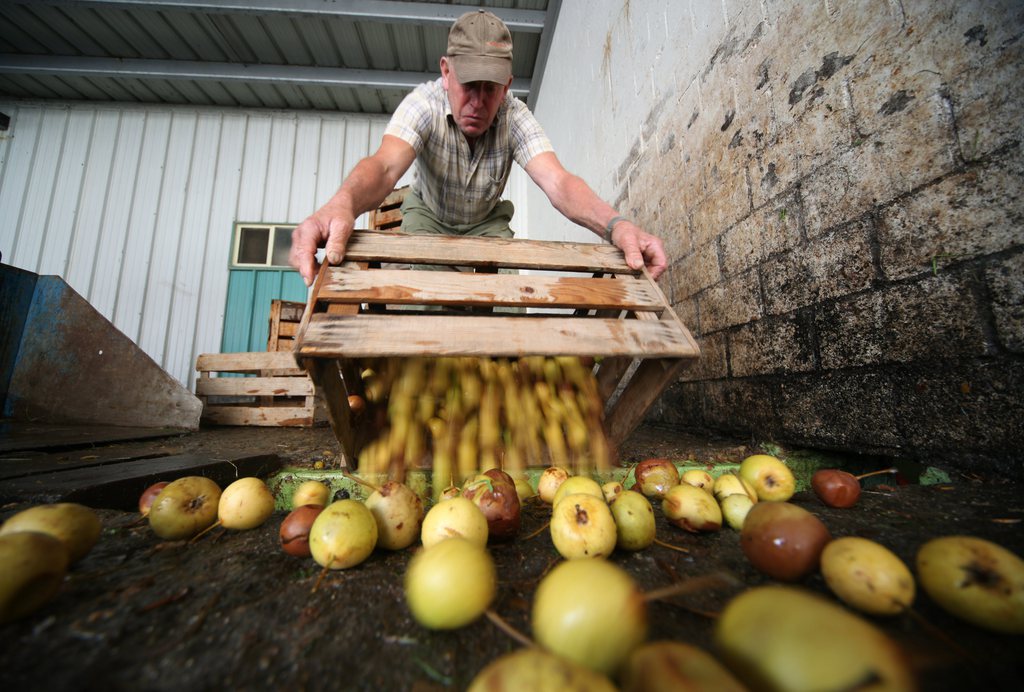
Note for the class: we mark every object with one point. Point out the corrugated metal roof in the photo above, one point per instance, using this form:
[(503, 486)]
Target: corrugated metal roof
[(357, 56)]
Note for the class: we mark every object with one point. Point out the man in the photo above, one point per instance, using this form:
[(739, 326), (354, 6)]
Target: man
[(464, 130)]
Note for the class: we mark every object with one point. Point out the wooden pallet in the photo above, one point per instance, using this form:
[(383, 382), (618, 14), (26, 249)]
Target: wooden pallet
[(280, 394), (285, 317), (595, 306)]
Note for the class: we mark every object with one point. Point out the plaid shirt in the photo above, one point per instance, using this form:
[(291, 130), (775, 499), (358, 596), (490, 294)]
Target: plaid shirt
[(462, 188)]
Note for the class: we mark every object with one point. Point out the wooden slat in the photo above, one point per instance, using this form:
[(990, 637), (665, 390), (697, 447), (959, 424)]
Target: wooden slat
[(254, 386), (328, 376), (118, 485), (348, 284), (252, 361), (369, 246), (387, 217), (291, 311), (648, 382), (287, 329), (283, 416), (610, 373), (356, 336)]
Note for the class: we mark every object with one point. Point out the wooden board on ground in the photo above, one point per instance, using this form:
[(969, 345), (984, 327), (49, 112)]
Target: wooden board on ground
[(582, 299), (20, 435), (119, 485)]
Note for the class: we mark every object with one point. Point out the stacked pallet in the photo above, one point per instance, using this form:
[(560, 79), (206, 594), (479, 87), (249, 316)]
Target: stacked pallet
[(272, 391), (285, 317)]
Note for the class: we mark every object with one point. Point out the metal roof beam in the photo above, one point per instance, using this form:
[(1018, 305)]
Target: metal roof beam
[(58, 66), (388, 11)]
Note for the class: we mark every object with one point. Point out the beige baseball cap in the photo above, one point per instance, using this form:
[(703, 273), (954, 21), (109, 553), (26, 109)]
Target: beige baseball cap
[(480, 48)]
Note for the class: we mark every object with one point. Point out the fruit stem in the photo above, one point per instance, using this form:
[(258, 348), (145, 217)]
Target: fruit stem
[(678, 548), (323, 572), (538, 531), (876, 473), (508, 629), (691, 585), (205, 531), (360, 481)]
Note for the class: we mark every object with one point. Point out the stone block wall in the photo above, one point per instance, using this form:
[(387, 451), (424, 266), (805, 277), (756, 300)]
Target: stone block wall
[(840, 186)]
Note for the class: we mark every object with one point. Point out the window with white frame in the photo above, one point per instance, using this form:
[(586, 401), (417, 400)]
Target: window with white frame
[(261, 245)]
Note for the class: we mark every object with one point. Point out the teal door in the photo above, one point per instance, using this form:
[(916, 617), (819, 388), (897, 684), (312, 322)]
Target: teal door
[(247, 317)]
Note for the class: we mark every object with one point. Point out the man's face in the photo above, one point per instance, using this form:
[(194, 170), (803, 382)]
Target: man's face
[(474, 104)]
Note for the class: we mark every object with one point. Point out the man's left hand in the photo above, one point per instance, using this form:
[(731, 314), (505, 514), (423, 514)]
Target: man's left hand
[(640, 248)]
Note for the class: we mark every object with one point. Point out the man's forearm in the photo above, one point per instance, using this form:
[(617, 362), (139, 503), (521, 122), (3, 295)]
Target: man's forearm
[(364, 189), (581, 205)]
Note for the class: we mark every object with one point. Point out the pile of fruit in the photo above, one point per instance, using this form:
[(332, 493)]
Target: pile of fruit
[(589, 618), (460, 415)]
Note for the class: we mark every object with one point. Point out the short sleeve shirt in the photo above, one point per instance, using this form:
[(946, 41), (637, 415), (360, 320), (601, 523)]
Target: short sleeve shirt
[(459, 186)]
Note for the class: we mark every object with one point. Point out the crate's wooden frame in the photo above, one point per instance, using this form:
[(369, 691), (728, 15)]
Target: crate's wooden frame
[(612, 311), (388, 216), (281, 394), (285, 317)]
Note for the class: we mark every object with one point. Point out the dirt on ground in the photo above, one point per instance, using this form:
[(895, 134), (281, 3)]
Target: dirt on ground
[(233, 611)]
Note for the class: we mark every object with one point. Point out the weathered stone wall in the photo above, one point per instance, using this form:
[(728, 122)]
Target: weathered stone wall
[(839, 186)]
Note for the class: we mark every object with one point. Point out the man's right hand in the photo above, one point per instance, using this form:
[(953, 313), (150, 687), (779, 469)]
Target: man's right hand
[(329, 227)]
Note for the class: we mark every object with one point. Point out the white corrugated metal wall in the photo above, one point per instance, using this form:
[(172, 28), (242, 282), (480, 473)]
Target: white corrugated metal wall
[(134, 206)]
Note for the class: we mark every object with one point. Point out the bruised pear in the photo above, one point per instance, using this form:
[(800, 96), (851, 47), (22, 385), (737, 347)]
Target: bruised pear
[(699, 478), (691, 508), (549, 481), (786, 638), (611, 490), (494, 492), (398, 512), (974, 579), (654, 477), (582, 526), (771, 478)]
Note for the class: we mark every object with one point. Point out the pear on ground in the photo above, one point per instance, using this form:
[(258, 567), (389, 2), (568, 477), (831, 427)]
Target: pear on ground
[(74, 525), (735, 509), (770, 477), (635, 524), (698, 478), (786, 638), (974, 579)]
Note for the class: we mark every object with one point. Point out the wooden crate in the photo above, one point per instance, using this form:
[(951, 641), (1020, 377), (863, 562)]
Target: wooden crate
[(388, 216), (280, 394), (589, 303), (285, 317)]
